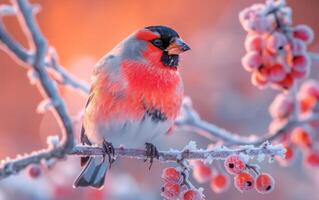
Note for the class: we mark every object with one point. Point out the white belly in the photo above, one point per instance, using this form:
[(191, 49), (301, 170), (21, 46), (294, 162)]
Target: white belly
[(131, 134)]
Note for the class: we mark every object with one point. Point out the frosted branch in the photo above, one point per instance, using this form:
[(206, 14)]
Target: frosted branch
[(10, 167), (191, 118)]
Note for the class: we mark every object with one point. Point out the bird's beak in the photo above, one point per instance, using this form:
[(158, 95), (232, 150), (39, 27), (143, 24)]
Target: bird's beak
[(177, 46)]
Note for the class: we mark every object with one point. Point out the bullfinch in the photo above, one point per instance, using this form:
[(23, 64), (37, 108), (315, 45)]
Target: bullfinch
[(136, 94)]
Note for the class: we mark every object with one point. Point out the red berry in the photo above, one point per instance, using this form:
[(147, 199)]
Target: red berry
[(201, 172), (253, 42), (306, 102), (234, 164), (311, 88), (257, 80), (300, 137), (191, 194), (219, 183), (289, 155), (301, 63), (287, 82), (244, 181), (303, 32), (251, 61), (171, 191), (312, 159), (171, 174), (277, 73), (282, 106), (264, 183), (34, 171)]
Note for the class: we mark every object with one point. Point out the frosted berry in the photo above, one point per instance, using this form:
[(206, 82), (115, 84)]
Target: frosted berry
[(219, 182), (244, 181), (306, 102), (253, 42), (301, 63), (311, 88), (171, 191), (34, 171), (234, 164), (191, 194), (257, 80), (277, 73), (171, 174), (282, 106), (252, 61), (289, 154), (201, 172), (287, 82), (264, 183), (300, 137), (303, 32)]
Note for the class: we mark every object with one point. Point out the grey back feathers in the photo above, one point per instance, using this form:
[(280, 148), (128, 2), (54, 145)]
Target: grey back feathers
[(129, 49)]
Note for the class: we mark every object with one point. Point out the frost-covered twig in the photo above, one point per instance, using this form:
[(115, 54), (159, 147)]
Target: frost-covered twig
[(190, 117), (189, 153)]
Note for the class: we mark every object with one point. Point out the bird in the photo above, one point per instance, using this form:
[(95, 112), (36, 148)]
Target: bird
[(136, 94)]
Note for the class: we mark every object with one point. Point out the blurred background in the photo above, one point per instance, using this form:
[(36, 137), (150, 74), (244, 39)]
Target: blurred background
[(83, 31)]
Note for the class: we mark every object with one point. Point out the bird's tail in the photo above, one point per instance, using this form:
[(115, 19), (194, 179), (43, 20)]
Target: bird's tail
[(93, 174)]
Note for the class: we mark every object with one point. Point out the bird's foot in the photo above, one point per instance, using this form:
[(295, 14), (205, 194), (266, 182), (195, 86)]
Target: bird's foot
[(108, 150), (151, 153)]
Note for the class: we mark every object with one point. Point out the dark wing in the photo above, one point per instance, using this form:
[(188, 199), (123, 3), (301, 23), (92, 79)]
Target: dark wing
[(84, 139)]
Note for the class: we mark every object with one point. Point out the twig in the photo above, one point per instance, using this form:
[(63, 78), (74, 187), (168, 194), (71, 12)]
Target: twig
[(191, 118)]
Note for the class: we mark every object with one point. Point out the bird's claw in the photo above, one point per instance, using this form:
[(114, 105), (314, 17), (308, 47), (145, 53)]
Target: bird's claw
[(108, 150), (151, 153)]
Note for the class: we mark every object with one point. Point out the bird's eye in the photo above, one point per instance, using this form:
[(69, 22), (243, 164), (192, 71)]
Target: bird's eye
[(157, 42)]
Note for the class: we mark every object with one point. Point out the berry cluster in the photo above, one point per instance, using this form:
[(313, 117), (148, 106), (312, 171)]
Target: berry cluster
[(234, 165), (285, 107), (243, 180), (276, 52), (175, 188)]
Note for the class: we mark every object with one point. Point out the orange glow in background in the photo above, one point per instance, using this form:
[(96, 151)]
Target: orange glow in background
[(83, 31)]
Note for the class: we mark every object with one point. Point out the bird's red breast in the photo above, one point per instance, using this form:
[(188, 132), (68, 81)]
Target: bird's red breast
[(146, 84)]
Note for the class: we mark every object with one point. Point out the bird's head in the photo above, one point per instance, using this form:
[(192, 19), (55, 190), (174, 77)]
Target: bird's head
[(163, 44)]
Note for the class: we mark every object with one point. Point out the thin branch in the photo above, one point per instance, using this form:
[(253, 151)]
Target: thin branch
[(190, 117), (12, 47), (16, 165)]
